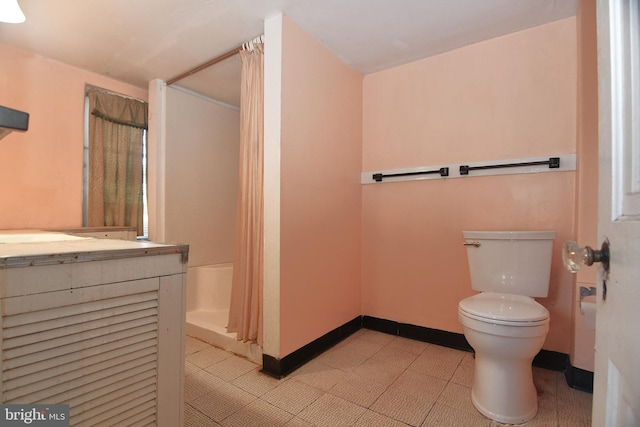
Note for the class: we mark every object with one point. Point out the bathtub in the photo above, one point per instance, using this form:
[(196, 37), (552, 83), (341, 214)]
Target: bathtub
[(208, 300)]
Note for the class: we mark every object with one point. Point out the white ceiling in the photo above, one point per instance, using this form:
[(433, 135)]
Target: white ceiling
[(139, 40)]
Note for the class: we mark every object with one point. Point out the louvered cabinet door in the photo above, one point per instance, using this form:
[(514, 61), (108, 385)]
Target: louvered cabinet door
[(94, 348)]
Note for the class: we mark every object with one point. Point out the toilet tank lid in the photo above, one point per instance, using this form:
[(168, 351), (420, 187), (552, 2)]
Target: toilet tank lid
[(510, 235), (506, 307)]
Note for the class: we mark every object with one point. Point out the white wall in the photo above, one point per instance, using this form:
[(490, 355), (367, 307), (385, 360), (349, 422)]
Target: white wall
[(201, 176)]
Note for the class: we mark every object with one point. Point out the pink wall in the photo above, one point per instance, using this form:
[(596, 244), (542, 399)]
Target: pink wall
[(587, 207), (582, 352), (320, 190), (510, 97), (41, 169)]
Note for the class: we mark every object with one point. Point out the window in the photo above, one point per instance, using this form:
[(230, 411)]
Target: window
[(115, 161)]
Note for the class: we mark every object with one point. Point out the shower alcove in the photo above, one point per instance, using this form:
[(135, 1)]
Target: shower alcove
[(201, 155)]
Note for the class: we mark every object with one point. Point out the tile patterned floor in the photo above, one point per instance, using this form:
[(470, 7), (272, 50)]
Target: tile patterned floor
[(369, 379)]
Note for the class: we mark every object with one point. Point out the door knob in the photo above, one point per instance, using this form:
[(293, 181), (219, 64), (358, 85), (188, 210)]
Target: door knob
[(573, 256)]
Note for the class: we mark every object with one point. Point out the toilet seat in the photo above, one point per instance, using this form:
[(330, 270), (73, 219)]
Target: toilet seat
[(504, 309)]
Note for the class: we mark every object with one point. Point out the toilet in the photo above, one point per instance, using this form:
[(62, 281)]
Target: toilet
[(503, 323)]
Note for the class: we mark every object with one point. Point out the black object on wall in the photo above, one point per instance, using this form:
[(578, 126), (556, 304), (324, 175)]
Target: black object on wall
[(12, 120)]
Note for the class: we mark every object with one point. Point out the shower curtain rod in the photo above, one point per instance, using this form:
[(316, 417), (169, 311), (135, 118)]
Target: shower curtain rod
[(205, 65), (247, 45)]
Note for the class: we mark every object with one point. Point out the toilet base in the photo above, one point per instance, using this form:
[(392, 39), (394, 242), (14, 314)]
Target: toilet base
[(503, 390), (501, 418)]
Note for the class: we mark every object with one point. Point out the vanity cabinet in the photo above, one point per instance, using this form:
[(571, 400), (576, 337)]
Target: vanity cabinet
[(96, 324)]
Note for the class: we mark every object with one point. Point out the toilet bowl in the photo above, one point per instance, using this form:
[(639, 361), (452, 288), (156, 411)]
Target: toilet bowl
[(506, 337), (504, 325)]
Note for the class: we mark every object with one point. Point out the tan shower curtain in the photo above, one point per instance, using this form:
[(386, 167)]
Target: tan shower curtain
[(116, 126), (245, 313)]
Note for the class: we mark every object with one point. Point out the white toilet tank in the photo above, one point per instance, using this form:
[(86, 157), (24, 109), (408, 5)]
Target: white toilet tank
[(510, 262)]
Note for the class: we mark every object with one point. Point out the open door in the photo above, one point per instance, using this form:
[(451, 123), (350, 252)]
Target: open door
[(616, 398)]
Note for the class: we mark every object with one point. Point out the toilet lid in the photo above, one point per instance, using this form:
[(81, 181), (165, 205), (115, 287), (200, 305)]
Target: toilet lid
[(504, 308)]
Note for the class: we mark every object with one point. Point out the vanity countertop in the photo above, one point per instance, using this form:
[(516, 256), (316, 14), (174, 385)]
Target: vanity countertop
[(22, 248)]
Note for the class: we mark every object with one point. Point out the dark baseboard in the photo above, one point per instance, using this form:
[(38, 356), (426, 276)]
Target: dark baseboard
[(420, 333), (434, 336), (551, 360), (380, 325), (545, 359), (279, 368), (578, 378)]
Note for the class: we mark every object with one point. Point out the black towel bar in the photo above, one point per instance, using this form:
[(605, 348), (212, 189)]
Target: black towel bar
[(379, 176), (553, 162)]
